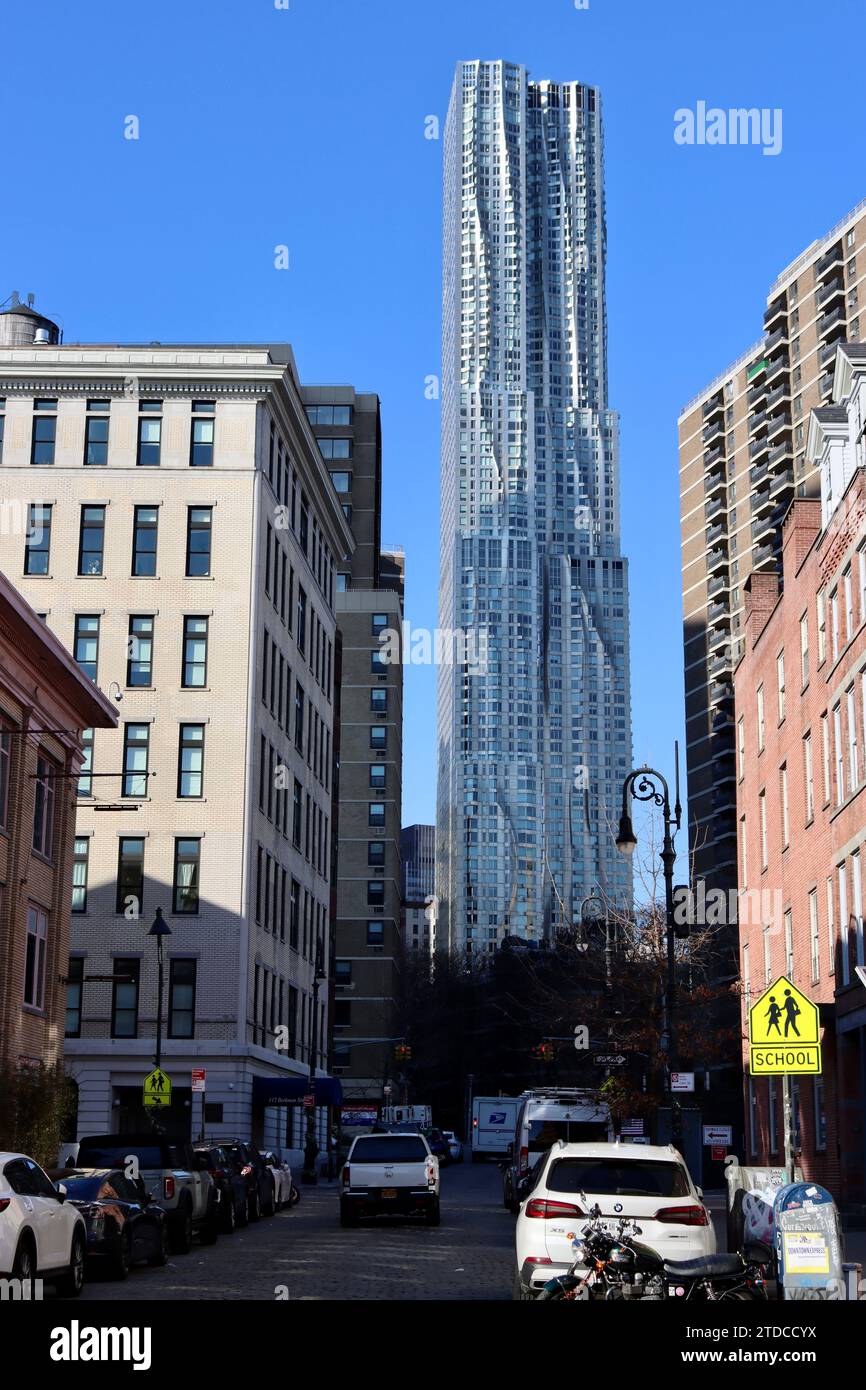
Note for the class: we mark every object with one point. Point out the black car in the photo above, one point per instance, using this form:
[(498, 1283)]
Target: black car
[(229, 1183), (254, 1171), (124, 1225), (438, 1145)]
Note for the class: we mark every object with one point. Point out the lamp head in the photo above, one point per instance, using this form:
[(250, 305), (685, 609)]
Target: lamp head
[(625, 837), (160, 926)]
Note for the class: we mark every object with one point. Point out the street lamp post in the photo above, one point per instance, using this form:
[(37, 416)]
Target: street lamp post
[(311, 1147), (160, 929), (642, 784)]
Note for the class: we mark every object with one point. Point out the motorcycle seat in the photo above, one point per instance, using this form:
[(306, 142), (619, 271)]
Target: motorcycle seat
[(704, 1267)]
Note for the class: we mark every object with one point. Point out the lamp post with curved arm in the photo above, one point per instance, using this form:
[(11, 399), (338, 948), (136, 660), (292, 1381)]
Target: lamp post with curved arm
[(646, 784)]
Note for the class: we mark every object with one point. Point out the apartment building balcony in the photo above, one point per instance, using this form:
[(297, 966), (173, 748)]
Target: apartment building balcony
[(718, 613), (758, 473), (827, 262), (762, 502), (716, 430), (782, 392), (715, 484), (763, 526), (758, 449), (832, 317), (775, 368), (716, 561), (718, 534), (712, 406), (722, 694), (757, 420), (756, 370), (780, 421), (780, 482), (764, 557), (718, 639), (724, 827), (757, 392), (723, 719), (780, 336), (827, 293), (825, 385), (713, 456), (719, 665), (776, 312), (781, 451), (718, 584), (827, 351), (715, 507)]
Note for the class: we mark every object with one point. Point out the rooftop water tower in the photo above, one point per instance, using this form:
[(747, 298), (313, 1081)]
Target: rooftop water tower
[(22, 326)]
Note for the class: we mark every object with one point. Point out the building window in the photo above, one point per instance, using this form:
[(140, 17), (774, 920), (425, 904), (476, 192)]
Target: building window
[(297, 802), (80, 858), (820, 1112), (379, 700), (86, 643), (809, 778), (144, 536), (825, 754), (37, 546), (761, 730), (783, 797), (378, 662), (762, 812), (789, 945), (375, 933), (849, 604), (139, 661), (35, 957), (92, 540), (853, 754), (136, 752), (834, 623), (741, 747), (342, 482), (744, 851), (336, 448), (190, 761), (342, 972), (376, 853), (379, 736), (294, 914), (299, 716), (375, 892), (768, 955), (379, 623), (843, 925), (5, 766), (377, 776), (857, 905), (329, 414), (780, 683), (85, 779), (149, 434), (96, 434), (831, 929), (840, 754), (181, 998), (44, 432), (186, 875), (804, 649), (301, 626), (376, 813), (74, 991), (43, 808), (198, 542), (201, 441), (821, 614), (814, 947), (124, 998), (130, 875), (195, 642)]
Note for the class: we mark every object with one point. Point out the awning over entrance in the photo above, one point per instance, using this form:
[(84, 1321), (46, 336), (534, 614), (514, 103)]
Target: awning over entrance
[(289, 1090)]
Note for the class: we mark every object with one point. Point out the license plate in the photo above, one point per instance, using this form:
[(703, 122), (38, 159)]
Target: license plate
[(389, 1192)]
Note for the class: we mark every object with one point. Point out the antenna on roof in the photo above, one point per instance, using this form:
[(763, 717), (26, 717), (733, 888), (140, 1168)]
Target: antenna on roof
[(31, 299)]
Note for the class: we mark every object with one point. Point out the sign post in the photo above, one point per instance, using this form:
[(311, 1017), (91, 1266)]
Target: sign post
[(785, 1040), (199, 1081)]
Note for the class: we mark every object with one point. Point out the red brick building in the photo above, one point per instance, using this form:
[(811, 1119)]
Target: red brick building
[(800, 711), (45, 703)]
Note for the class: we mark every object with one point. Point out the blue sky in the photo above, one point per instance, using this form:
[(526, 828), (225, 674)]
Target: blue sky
[(305, 126)]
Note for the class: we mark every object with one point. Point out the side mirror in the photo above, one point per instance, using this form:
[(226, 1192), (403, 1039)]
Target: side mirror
[(700, 1191), (60, 1189)]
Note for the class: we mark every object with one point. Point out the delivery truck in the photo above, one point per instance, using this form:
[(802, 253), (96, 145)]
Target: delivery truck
[(494, 1120)]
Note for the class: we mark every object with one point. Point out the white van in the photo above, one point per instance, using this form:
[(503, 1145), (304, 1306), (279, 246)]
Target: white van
[(493, 1121), (545, 1116)]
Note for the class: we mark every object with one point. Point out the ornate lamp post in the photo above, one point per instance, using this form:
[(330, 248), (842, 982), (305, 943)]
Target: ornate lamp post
[(160, 929), (311, 1147), (645, 784)]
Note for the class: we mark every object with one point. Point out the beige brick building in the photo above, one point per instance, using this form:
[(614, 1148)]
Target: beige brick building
[(193, 537), (742, 445), (800, 711)]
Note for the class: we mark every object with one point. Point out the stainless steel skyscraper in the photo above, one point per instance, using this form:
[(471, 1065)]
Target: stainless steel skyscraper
[(534, 723)]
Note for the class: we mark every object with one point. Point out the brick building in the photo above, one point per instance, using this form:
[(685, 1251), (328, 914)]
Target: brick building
[(45, 704), (800, 711)]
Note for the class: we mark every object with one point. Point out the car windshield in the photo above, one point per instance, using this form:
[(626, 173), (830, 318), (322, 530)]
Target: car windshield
[(82, 1189), (543, 1134), (403, 1149), (618, 1177), (114, 1155)]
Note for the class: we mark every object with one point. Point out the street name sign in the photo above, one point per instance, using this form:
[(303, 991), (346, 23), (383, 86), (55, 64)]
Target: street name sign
[(784, 1032), (610, 1059), (199, 1078), (157, 1088)]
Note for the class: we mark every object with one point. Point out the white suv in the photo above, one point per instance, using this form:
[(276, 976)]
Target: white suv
[(41, 1234), (647, 1182)]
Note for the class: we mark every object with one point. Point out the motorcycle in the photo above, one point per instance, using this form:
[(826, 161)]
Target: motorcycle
[(612, 1264)]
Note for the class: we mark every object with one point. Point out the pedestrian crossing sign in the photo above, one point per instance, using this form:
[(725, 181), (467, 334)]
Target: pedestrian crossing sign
[(784, 1032), (157, 1088)]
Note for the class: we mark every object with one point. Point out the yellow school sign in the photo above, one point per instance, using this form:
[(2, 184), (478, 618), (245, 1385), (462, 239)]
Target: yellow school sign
[(784, 1032), (157, 1088)]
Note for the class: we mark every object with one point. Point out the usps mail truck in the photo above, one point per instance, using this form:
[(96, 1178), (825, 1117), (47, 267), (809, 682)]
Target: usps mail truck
[(494, 1120)]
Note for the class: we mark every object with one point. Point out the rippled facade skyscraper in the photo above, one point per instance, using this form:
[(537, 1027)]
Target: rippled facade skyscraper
[(534, 722)]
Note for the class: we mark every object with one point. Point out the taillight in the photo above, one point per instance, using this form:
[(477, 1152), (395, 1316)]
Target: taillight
[(431, 1173), (524, 1160), (246, 1170), (168, 1188), (544, 1210), (346, 1176), (4, 1203), (538, 1260), (683, 1216)]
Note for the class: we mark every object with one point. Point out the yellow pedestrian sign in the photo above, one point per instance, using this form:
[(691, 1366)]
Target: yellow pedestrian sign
[(784, 1032), (157, 1088)]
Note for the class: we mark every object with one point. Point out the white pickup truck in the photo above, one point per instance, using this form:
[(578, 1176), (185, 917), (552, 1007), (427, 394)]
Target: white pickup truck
[(390, 1173)]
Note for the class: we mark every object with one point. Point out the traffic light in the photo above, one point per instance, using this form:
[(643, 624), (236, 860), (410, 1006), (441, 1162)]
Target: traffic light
[(543, 1052), (402, 1052)]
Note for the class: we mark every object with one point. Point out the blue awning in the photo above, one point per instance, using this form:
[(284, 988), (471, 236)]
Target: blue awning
[(289, 1090)]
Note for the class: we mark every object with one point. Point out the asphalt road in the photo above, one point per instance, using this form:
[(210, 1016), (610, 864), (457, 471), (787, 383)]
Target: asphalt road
[(305, 1254)]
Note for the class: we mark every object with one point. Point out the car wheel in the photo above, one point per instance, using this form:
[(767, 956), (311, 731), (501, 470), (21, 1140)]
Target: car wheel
[(72, 1282), (230, 1220), (211, 1228), (24, 1264), (432, 1216), (159, 1258), (123, 1260), (295, 1197), (243, 1215), (255, 1210), (519, 1292), (181, 1234), (348, 1216), (269, 1206)]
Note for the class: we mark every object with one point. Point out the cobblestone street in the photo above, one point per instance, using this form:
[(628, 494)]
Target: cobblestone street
[(307, 1254)]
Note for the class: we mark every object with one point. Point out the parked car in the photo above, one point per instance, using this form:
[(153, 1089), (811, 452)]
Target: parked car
[(124, 1226), (230, 1185), (543, 1117), (455, 1145), (41, 1234), (650, 1183), (256, 1174), (390, 1173), (282, 1176), (438, 1145), (170, 1174)]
